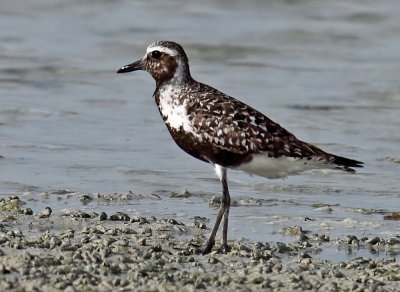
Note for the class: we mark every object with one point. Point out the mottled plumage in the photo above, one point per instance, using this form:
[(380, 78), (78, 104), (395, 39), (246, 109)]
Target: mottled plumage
[(222, 130)]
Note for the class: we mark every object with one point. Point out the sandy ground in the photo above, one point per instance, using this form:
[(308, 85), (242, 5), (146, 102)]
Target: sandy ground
[(77, 251)]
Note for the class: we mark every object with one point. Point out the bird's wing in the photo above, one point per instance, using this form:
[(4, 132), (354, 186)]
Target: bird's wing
[(230, 125)]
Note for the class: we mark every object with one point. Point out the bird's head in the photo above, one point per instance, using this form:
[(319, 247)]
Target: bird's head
[(166, 61)]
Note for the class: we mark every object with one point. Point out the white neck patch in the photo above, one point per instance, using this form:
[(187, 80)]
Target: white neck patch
[(175, 113)]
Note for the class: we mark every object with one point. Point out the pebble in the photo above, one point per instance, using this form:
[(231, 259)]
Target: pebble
[(199, 225), (102, 216), (28, 211), (84, 215), (120, 217), (10, 233), (393, 241), (324, 209), (85, 198), (101, 229), (323, 238), (302, 237), (373, 241), (45, 213), (183, 194), (18, 233)]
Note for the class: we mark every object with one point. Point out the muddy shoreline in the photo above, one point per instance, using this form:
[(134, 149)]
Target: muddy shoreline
[(79, 251)]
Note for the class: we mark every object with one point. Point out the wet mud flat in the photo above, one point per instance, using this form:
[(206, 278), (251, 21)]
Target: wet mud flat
[(79, 251)]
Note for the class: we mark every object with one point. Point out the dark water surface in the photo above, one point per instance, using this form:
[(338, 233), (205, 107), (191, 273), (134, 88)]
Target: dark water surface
[(326, 71)]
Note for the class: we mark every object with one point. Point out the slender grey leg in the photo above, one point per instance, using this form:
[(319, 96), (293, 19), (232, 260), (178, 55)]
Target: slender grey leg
[(211, 239), (223, 212), (227, 202)]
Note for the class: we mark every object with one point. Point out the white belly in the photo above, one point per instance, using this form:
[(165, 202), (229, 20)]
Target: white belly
[(281, 167)]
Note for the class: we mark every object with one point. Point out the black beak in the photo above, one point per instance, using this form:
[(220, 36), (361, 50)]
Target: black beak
[(135, 66)]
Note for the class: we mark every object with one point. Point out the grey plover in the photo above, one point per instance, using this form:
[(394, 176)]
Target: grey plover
[(223, 131)]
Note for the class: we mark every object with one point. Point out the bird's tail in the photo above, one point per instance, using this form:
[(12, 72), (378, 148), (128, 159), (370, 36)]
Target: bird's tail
[(346, 163)]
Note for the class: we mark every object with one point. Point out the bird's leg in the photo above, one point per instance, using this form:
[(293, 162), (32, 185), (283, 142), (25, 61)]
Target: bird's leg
[(223, 212), (211, 239), (226, 201)]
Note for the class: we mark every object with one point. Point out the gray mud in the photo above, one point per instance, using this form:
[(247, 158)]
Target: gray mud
[(79, 251)]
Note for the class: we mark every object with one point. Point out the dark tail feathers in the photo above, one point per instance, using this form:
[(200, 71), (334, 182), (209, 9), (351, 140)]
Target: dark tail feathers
[(346, 163)]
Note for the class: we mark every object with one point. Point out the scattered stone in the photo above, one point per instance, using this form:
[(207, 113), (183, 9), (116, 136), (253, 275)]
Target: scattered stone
[(18, 233), (373, 241), (154, 197), (81, 253), (68, 233), (85, 215), (215, 201), (45, 213), (324, 209), (120, 217), (393, 241), (28, 211), (392, 216), (183, 194), (246, 203), (85, 198), (351, 239), (10, 233), (292, 230), (305, 255), (199, 225), (172, 221), (62, 192), (102, 216), (213, 260), (142, 220), (13, 203), (322, 238), (302, 237)]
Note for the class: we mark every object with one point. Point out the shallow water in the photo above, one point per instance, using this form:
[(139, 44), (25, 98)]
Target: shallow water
[(327, 72)]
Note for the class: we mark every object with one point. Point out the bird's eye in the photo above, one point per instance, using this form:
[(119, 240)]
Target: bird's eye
[(156, 54)]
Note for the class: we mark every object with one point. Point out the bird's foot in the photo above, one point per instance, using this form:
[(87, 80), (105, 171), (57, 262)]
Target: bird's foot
[(224, 249), (221, 250), (208, 247)]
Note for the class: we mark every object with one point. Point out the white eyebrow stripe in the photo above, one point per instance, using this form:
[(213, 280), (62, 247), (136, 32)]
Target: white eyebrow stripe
[(161, 49)]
